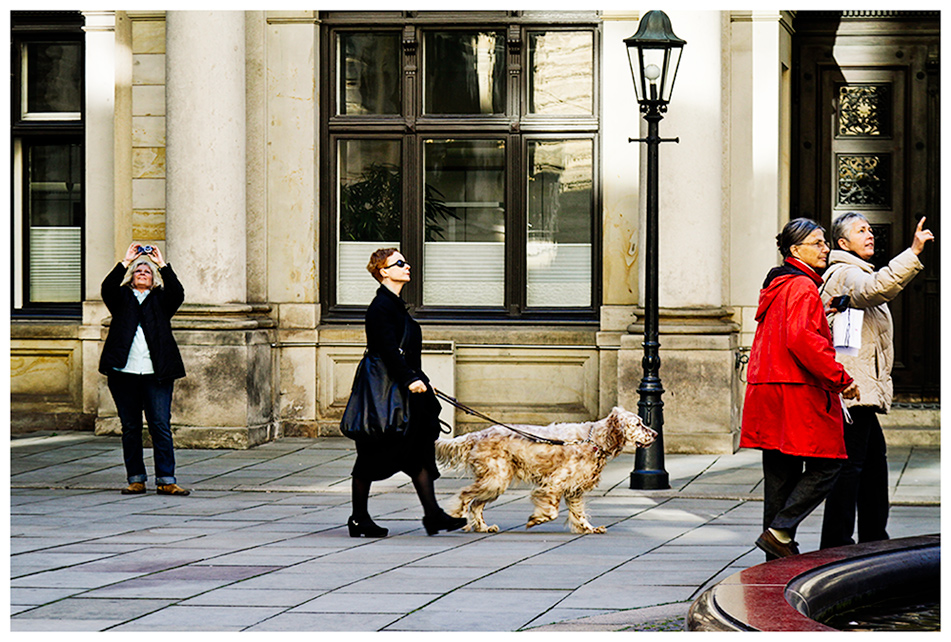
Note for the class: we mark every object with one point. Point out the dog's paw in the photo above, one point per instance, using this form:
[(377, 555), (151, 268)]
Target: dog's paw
[(598, 529), (494, 528)]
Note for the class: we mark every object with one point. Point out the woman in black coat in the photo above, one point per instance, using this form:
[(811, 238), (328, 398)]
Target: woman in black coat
[(141, 361), (387, 320)]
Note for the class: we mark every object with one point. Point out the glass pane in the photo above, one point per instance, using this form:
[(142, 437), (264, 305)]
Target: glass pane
[(368, 73), (464, 72), (369, 202), (561, 78), (54, 193), (559, 223), (55, 185), (464, 253), (51, 82)]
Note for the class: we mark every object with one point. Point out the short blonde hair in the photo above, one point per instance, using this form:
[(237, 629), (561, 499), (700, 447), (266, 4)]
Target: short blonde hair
[(143, 260), (378, 261)]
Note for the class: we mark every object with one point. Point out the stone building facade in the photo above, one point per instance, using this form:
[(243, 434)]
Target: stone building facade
[(234, 139)]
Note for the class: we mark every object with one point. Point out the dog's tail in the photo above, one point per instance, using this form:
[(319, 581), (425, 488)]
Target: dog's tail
[(453, 452)]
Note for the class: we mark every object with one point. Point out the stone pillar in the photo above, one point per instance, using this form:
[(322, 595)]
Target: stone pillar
[(697, 334), (108, 84), (205, 172), (227, 398)]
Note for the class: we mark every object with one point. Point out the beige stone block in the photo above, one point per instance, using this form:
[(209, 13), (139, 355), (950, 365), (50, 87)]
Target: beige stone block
[(298, 376), (148, 225), (337, 365), (148, 193), (702, 394), (45, 384), (148, 131), (148, 36), (148, 69), (529, 385), (228, 383), (40, 372), (148, 162), (148, 100), (306, 315)]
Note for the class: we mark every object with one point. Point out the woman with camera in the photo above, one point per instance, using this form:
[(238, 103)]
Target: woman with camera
[(141, 361), (792, 411)]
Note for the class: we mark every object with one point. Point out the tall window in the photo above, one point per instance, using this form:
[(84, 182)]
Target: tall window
[(469, 141), (47, 139)]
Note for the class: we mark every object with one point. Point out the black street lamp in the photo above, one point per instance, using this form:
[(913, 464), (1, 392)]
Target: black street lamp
[(654, 53)]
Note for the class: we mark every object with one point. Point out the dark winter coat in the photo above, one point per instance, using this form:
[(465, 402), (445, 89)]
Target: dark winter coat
[(386, 320), (154, 314)]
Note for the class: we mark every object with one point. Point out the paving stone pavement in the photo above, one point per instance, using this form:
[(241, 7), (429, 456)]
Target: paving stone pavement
[(261, 544)]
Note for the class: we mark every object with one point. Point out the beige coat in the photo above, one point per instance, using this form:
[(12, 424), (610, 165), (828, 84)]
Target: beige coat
[(870, 291)]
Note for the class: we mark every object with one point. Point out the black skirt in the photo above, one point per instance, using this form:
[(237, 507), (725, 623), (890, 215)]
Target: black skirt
[(410, 454)]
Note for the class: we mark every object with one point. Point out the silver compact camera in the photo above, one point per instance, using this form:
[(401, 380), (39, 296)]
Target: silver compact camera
[(145, 249)]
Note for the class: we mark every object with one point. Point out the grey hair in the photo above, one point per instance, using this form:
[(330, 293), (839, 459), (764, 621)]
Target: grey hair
[(843, 225), (794, 233), (156, 275)]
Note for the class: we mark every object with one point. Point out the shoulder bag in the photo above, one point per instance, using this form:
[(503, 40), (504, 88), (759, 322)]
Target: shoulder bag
[(378, 408)]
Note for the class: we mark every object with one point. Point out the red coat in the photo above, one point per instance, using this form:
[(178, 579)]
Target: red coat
[(792, 398)]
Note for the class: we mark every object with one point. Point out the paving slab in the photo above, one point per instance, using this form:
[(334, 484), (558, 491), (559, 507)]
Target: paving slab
[(261, 544)]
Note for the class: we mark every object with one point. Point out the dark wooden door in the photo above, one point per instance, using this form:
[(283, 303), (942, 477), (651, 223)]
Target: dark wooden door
[(866, 139)]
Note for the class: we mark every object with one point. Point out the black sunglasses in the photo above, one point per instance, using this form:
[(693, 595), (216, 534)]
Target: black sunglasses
[(400, 263)]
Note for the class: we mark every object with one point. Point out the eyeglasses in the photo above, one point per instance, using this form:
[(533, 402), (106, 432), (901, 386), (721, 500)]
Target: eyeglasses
[(817, 244), (400, 263)]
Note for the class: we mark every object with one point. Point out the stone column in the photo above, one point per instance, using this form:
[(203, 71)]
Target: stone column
[(206, 165), (108, 84), (227, 398)]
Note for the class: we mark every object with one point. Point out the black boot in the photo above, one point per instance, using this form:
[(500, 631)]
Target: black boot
[(442, 522), (365, 526)]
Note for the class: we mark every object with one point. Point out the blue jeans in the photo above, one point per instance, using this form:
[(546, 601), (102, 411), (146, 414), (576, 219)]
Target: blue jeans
[(133, 395)]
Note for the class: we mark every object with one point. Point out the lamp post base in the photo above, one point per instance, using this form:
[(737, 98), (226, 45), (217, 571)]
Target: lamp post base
[(650, 480)]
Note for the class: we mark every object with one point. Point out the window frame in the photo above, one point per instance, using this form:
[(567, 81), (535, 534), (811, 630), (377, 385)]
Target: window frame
[(412, 127), (37, 27)]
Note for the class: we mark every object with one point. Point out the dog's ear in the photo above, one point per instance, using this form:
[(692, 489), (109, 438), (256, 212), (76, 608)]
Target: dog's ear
[(614, 436), (613, 421)]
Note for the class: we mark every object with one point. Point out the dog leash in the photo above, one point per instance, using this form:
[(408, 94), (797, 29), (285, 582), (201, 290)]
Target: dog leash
[(533, 437)]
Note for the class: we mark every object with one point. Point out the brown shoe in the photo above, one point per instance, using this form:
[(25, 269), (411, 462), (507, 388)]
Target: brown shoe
[(171, 489), (135, 488), (768, 543)]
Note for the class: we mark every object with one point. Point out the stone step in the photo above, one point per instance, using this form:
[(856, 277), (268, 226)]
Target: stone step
[(912, 426)]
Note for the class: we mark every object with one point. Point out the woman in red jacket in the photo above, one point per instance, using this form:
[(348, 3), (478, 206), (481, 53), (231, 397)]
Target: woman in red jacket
[(792, 410)]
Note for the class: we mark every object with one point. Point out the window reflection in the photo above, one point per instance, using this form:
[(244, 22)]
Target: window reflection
[(368, 73), (52, 80), (464, 253), (558, 252), (55, 213), (561, 78), (464, 72), (369, 211)]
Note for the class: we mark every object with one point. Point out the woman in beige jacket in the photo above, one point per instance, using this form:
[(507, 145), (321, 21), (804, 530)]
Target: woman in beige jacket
[(862, 485)]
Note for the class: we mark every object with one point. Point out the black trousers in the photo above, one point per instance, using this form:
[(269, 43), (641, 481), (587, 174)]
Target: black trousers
[(862, 485), (794, 487)]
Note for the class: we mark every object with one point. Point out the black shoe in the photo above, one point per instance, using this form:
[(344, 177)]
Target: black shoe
[(768, 543), (442, 522), (365, 527)]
